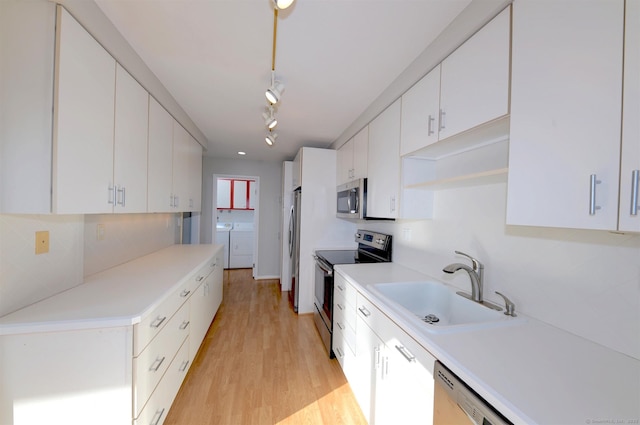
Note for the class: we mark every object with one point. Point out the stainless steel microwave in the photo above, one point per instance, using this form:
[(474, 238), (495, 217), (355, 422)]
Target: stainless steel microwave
[(352, 200)]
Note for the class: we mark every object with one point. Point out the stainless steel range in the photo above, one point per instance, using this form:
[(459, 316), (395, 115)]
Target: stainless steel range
[(373, 247)]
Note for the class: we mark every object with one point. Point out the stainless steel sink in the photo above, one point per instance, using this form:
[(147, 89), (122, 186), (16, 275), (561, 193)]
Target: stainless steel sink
[(439, 308)]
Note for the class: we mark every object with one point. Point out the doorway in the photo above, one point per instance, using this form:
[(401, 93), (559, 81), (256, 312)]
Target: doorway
[(236, 205)]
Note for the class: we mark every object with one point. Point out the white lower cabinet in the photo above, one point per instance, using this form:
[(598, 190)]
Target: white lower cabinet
[(110, 375), (391, 375)]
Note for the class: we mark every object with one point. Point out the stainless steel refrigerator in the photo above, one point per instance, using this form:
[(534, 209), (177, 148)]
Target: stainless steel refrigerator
[(294, 247)]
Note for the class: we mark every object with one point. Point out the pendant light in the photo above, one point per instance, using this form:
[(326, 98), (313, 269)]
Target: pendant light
[(270, 119), (270, 139), (282, 4)]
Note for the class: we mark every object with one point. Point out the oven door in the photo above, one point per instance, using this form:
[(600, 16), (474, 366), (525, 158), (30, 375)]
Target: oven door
[(324, 291)]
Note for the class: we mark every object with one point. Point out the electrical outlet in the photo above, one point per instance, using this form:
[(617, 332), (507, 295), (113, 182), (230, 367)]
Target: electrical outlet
[(406, 234), (100, 232), (42, 242)]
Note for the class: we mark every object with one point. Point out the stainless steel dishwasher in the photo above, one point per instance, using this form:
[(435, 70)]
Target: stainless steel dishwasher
[(456, 403)]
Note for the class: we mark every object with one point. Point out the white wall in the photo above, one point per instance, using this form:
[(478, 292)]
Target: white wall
[(586, 282), (74, 250), (268, 265)]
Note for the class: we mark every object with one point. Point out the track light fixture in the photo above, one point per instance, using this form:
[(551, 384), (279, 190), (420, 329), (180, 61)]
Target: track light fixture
[(274, 92), (271, 138), (282, 4), (269, 118)]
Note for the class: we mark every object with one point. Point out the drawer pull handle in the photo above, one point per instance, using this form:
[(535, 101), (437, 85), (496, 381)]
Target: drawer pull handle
[(156, 418), (184, 293), (339, 306), (364, 311), (184, 325), (340, 354), (340, 287), (199, 278), (407, 355), (157, 366), (635, 177), (340, 326), (183, 366), (159, 321)]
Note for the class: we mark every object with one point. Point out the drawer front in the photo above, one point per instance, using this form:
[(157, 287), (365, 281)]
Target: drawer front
[(157, 408), (151, 364), (344, 289), (154, 322)]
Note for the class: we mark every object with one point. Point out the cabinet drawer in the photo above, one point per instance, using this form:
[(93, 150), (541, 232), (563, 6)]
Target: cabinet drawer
[(344, 289), (156, 410), (369, 313), (151, 364), (149, 327)]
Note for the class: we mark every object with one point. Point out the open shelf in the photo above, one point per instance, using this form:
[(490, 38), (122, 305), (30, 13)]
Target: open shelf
[(484, 177)]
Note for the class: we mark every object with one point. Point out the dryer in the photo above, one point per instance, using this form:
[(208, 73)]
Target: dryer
[(222, 238)]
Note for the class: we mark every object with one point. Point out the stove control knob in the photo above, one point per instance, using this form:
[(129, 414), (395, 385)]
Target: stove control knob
[(380, 241)]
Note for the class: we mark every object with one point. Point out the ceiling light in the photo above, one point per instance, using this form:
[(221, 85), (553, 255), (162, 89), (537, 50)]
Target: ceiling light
[(269, 118), (274, 92), (241, 153), (271, 138), (282, 4)]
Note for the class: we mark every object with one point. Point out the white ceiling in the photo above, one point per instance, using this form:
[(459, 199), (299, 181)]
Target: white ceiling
[(335, 58)]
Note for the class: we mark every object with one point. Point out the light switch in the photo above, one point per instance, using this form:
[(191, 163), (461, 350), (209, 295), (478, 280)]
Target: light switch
[(42, 242)]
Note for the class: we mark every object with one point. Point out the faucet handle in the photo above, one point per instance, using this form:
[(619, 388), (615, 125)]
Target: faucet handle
[(510, 307), (476, 264)]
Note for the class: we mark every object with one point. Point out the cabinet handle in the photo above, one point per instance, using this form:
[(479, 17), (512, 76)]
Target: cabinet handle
[(176, 201), (635, 176), (159, 320), (376, 351), (339, 306), (392, 204), (441, 120), (340, 326), (340, 354), (121, 190), (111, 195), (407, 355), (184, 293), (171, 200), (340, 287), (430, 122), (156, 418), (592, 194), (184, 325), (157, 366), (364, 311), (183, 366), (199, 278)]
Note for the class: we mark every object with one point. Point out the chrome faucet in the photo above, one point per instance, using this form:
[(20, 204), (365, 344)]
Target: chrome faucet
[(476, 275)]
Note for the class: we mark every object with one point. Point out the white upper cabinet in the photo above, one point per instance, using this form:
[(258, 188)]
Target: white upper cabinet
[(420, 113), (181, 147), (384, 164), (474, 85), (629, 219), (160, 174), (195, 175), (564, 153), (130, 144), (468, 89), (83, 122), (352, 158)]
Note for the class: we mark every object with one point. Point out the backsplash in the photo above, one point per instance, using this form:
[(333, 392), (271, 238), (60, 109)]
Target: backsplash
[(586, 282), (125, 237), (25, 277), (76, 250)]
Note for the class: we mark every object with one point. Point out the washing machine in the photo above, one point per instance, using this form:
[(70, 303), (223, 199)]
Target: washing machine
[(222, 238), (241, 246)]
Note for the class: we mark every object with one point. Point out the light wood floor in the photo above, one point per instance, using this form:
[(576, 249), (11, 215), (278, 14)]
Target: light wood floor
[(260, 363)]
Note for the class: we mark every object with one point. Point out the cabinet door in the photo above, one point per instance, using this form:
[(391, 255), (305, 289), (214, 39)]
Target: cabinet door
[(224, 193), (130, 144), (83, 123), (565, 129), (384, 163), (367, 364), (630, 217), (160, 157), (181, 174), (420, 113), (344, 164), (475, 79), (360, 153), (252, 194), (198, 318), (240, 194), (195, 175)]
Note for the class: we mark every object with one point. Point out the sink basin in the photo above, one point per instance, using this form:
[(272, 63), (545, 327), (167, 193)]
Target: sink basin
[(438, 307)]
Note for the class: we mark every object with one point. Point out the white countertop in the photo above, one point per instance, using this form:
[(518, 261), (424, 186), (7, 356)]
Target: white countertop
[(529, 371), (98, 301)]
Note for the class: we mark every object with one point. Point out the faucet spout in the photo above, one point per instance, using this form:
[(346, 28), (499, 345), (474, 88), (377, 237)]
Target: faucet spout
[(475, 274)]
